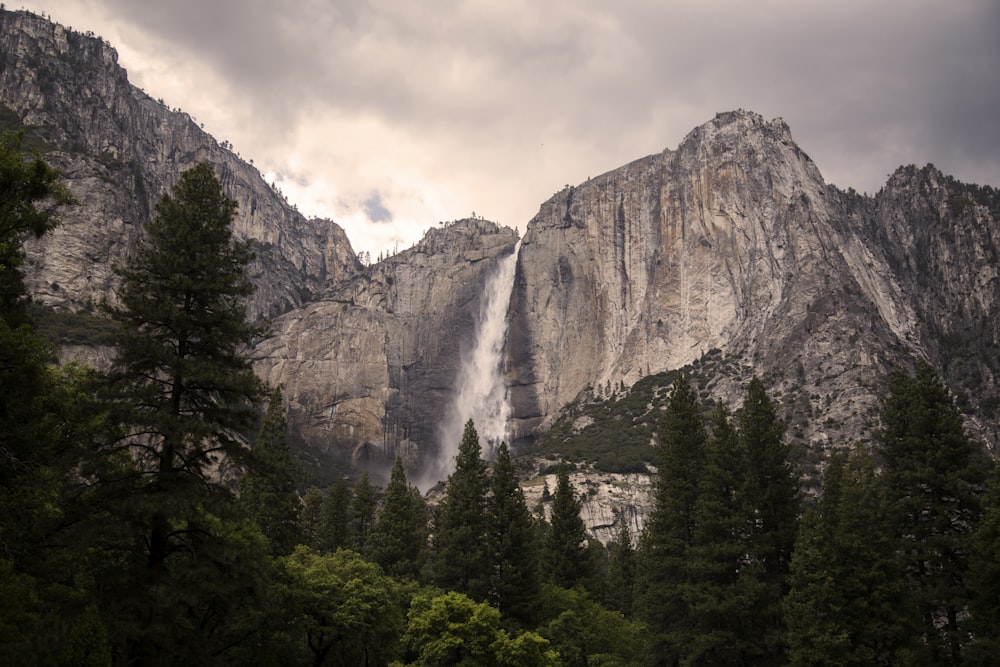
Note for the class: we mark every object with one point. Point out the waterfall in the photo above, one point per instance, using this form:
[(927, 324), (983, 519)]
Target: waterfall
[(480, 389)]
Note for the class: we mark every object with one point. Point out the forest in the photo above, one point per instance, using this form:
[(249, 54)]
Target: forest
[(154, 513)]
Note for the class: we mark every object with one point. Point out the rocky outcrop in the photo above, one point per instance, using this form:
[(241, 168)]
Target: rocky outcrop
[(119, 151), (370, 367), (733, 241)]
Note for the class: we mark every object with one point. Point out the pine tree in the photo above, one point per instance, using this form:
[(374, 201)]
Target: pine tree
[(984, 578), (515, 586), (622, 570), (565, 560), (362, 515), (461, 558), (770, 495), (186, 392), (268, 491), (333, 530), (311, 518), (399, 536), (933, 474), (670, 531), (716, 599), (847, 603)]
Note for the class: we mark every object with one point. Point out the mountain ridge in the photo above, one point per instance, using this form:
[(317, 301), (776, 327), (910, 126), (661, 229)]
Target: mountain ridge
[(732, 241)]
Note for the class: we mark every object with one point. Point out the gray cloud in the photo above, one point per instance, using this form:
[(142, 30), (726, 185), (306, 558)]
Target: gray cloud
[(493, 105)]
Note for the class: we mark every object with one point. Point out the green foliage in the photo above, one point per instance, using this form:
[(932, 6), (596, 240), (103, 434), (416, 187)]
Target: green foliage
[(933, 475), (361, 517), (621, 577), (185, 393), (614, 429), (453, 629), (515, 583), (268, 490), (565, 559), (311, 518), (461, 548), (344, 610), (848, 602), (64, 327), (333, 526), (670, 532), (25, 184), (984, 578), (399, 537), (585, 633)]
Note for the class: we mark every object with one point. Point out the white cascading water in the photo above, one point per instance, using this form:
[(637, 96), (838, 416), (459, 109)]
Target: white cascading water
[(480, 389)]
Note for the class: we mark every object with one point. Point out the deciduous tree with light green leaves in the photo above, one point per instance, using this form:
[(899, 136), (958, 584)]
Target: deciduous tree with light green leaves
[(341, 609)]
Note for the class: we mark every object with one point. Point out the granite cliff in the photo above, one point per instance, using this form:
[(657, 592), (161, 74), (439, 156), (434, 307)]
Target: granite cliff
[(119, 151), (369, 368), (731, 244), (733, 241)]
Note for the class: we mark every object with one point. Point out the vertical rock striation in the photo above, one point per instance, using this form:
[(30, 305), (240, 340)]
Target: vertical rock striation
[(734, 241), (371, 366)]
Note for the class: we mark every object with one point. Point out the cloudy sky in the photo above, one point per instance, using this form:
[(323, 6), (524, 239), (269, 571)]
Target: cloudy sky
[(389, 116)]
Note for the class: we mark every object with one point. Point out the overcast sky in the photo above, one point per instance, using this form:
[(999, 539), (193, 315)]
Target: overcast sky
[(389, 116)]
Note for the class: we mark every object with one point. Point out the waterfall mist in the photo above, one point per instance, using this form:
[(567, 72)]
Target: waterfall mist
[(480, 389)]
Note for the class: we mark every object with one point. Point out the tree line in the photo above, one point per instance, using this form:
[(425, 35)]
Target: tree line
[(154, 514)]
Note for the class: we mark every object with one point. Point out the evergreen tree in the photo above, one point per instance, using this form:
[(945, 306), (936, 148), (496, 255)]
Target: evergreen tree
[(565, 559), (984, 579), (933, 474), (770, 497), (716, 598), (515, 586), (268, 491), (362, 515), (311, 518), (186, 392), (399, 536), (25, 183), (848, 601), (670, 531), (622, 570), (333, 532), (462, 560)]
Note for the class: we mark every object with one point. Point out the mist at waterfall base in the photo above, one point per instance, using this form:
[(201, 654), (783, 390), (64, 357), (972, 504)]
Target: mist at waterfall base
[(480, 388)]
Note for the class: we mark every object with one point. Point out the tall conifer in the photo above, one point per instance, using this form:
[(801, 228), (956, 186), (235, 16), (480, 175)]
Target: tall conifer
[(399, 536), (933, 474), (461, 548), (268, 491), (186, 392), (848, 601), (515, 586), (565, 558), (362, 515), (670, 531)]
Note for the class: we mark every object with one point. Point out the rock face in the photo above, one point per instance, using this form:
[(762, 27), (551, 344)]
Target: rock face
[(370, 367), (733, 241), (119, 151)]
